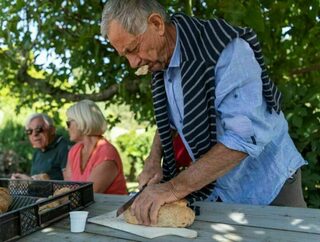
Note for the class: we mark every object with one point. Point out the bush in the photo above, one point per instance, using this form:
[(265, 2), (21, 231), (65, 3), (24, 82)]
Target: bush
[(134, 149), (15, 149)]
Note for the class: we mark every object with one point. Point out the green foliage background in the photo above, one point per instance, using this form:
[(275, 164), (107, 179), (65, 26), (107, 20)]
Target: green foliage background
[(134, 149), (51, 54)]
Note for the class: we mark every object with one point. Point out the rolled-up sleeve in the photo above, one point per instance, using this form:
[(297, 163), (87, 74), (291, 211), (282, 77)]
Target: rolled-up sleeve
[(241, 110)]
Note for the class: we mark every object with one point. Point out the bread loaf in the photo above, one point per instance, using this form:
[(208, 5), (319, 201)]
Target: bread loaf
[(5, 200), (55, 203), (175, 214), (61, 191), (143, 70)]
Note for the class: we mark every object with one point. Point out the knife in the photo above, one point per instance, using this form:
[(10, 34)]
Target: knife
[(125, 206)]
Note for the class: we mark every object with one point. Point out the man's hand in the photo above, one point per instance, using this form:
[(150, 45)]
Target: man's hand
[(151, 173), (20, 176), (146, 206), (41, 176)]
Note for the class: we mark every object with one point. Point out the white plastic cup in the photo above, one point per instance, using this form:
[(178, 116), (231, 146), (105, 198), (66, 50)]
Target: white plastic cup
[(78, 221)]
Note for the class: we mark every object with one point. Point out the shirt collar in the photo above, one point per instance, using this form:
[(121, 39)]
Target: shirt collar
[(54, 143), (175, 59)]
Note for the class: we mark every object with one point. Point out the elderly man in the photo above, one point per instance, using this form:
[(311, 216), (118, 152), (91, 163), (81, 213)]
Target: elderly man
[(210, 85), (51, 150)]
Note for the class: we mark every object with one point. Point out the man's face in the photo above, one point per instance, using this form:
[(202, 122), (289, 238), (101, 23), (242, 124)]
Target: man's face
[(40, 135), (147, 48)]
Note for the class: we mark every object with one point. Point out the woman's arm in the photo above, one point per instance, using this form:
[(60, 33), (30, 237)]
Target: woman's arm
[(103, 175), (67, 172)]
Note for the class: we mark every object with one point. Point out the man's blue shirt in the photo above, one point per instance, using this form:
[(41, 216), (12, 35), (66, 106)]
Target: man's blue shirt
[(243, 124)]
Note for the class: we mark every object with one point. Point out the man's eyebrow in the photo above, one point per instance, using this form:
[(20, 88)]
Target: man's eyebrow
[(131, 46)]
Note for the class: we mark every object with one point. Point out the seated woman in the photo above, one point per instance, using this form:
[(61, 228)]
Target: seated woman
[(93, 158)]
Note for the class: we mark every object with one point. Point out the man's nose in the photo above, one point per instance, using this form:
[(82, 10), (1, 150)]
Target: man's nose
[(34, 133), (134, 61)]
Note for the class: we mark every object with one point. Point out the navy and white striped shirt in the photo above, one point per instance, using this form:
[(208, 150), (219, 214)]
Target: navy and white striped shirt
[(242, 120), (201, 43)]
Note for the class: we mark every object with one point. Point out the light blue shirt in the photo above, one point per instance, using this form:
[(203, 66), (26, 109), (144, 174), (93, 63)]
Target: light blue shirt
[(243, 124)]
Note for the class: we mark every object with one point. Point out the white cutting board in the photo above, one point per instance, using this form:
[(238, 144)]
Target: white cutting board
[(110, 220)]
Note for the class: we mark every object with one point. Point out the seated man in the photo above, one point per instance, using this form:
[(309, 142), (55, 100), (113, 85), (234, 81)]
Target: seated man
[(51, 150)]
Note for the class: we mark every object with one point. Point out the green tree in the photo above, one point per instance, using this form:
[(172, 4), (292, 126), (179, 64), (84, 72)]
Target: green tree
[(52, 50), (81, 64), (134, 147)]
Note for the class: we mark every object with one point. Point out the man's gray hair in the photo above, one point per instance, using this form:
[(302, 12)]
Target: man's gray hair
[(131, 14), (47, 120)]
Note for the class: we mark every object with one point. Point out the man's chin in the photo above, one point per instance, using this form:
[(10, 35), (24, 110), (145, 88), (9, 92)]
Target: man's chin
[(156, 68), (38, 146)]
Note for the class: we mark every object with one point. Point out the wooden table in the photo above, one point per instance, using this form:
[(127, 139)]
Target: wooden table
[(217, 222)]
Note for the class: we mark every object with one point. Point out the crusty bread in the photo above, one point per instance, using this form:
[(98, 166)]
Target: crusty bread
[(61, 191), (5, 200), (175, 214), (55, 203), (142, 70)]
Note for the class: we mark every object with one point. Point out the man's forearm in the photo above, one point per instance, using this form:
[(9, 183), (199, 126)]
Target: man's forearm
[(214, 164), (156, 148), (152, 171)]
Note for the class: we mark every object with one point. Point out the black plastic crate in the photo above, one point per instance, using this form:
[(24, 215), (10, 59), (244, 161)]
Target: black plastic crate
[(24, 217)]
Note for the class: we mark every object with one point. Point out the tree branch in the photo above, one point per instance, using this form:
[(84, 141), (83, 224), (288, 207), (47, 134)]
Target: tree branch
[(188, 7), (43, 86), (303, 70)]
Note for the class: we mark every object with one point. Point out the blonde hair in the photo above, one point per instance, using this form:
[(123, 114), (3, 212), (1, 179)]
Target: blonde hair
[(88, 117)]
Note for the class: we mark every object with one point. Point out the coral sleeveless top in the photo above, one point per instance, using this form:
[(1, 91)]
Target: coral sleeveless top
[(103, 152)]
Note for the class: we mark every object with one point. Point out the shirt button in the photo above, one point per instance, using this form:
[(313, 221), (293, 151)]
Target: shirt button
[(169, 80)]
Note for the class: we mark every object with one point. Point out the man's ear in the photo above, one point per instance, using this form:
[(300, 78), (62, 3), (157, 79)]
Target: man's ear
[(52, 130), (156, 22)]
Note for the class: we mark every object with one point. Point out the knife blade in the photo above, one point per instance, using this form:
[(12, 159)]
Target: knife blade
[(125, 206)]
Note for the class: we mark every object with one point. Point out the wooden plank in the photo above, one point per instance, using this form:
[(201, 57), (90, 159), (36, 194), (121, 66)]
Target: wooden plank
[(95, 229), (264, 210), (206, 232), (217, 222), (283, 218), (224, 232), (101, 198), (54, 234), (98, 209), (218, 231), (103, 230)]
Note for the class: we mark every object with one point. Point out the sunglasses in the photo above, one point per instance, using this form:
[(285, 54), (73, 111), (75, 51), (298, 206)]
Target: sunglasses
[(37, 131), (69, 123)]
